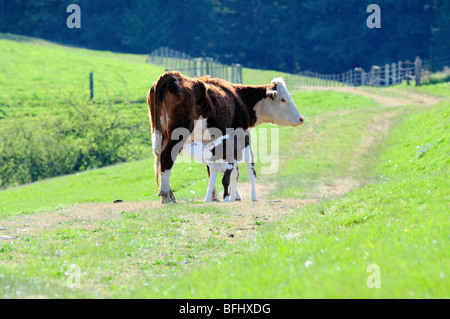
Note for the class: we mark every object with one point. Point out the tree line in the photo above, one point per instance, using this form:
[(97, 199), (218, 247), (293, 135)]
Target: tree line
[(286, 35)]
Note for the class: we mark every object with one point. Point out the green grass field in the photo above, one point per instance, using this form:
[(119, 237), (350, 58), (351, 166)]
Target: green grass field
[(359, 184)]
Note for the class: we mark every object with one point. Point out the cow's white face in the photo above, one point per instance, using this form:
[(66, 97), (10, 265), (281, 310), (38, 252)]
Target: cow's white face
[(278, 107)]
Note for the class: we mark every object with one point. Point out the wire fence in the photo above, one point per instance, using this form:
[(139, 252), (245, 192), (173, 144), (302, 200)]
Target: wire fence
[(386, 75), (174, 60), (378, 75)]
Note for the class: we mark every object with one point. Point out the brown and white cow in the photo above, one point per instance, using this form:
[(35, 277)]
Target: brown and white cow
[(178, 102)]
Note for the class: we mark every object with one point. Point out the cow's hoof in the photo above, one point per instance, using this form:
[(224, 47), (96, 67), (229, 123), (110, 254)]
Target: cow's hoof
[(226, 199), (168, 200), (238, 198), (167, 197), (215, 200)]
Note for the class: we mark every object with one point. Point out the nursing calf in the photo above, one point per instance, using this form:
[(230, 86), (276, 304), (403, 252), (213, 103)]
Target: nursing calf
[(176, 103), (221, 156)]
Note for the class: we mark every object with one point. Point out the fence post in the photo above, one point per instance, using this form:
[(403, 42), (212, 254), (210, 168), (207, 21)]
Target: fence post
[(418, 70), (378, 75), (373, 76), (91, 84), (233, 73), (386, 75), (407, 71), (394, 74), (240, 73)]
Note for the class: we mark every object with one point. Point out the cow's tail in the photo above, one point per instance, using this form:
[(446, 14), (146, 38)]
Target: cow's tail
[(156, 135), (157, 142), (155, 97)]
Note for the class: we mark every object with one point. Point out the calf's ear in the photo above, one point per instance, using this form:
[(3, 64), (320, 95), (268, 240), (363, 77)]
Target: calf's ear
[(271, 94)]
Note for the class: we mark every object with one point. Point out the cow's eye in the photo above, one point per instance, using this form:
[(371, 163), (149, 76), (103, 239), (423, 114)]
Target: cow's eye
[(283, 100)]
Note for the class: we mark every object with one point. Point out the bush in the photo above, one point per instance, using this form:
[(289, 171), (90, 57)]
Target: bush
[(438, 77), (86, 135)]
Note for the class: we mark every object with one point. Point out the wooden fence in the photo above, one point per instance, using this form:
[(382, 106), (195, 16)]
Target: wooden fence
[(195, 67)]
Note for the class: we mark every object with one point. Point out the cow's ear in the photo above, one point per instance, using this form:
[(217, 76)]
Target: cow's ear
[(271, 94)]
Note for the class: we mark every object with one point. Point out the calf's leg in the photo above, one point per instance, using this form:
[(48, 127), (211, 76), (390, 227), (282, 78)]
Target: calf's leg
[(233, 180), (214, 191), (211, 183), (226, 184)]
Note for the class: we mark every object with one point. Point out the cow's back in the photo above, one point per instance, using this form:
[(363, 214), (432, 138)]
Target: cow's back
[(230, 109)]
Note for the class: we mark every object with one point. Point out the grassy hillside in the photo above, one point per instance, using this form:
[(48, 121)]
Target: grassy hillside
[(359, 184), (37, 77)]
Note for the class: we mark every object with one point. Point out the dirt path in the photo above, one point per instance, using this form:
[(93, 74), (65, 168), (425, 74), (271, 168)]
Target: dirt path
[(420, 98), (400, 98), (239, 221), (374, 132)]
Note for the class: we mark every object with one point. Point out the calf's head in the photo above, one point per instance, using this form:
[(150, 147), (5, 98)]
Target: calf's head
[(278, 106)]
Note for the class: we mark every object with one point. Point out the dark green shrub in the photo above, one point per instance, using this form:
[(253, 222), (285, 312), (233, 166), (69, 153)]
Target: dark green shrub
[(87, 135)]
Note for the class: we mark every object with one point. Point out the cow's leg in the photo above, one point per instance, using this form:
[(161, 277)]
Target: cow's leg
[(211, 183), (226, 184), (234, 178), (167, 161), (166, 192), (214, 191), (251, 171)]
